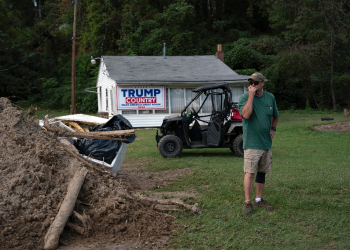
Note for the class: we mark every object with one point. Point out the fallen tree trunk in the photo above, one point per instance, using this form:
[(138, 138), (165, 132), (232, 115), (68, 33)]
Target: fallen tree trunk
[(82, 159), (99, 135), (106, 135), (195, 209), (53, 235), (103, 133)]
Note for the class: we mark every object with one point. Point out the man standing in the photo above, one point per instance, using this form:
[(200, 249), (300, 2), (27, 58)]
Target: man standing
[(260, 117)]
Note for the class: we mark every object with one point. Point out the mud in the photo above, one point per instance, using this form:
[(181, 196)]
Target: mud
[(343, 127), (34, 176)]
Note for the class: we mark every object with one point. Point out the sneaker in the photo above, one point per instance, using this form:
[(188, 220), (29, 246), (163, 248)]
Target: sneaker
[(264, 204), (248, 207)]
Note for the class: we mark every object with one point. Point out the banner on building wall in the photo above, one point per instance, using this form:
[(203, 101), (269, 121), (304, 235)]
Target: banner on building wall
[(141, 97)]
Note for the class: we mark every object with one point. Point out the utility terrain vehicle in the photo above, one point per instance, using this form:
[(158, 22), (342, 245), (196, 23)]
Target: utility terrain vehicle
[(209, 120)]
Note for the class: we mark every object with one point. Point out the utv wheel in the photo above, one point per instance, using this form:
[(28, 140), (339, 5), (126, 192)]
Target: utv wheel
[(170, 146), (238, 146)]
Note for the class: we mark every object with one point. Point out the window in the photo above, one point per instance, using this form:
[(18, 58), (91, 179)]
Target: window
[(177, 100), (164, 111), (145, 111), (106, 99), (128, 112), (218, 99), (111, 100), (100, 102), (236, 93), (207, 108), (189, 96)]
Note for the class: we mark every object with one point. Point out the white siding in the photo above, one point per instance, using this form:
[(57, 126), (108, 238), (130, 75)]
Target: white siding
[(237, 91), (104, 83), (155, 120), (146, 121), (107, 86)]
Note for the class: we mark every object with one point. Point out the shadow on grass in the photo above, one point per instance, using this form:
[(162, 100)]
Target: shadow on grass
[(207, 154)]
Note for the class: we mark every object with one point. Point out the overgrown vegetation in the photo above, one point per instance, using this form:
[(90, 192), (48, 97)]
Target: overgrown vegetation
[(301, 46), (308, 187)]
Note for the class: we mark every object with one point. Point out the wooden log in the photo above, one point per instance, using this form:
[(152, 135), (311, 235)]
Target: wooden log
[(53, 235), (86, 228), (116, 132), (346, 113), (80, 230), (82, 159), (105, 135), (76, 126), (97, 135), (166, 208), (195, 209)]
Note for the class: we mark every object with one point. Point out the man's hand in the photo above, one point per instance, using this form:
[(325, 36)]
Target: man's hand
[(251, 90), (272, 133), (248, 107)]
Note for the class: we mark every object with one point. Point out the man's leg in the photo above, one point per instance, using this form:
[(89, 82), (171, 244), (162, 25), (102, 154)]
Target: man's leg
[(264, 166), (251, 159), (248, 185), (259, 184), (259, 189)]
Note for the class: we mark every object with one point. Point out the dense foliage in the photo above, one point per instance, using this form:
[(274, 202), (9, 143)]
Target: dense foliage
[(301, 46)]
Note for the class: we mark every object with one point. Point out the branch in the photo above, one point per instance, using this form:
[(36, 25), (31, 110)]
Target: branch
[(66, 209), (195, 209), (104, 135), (80, 158)]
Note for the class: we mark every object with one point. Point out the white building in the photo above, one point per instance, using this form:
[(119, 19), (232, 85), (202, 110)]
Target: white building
[(145, 89)]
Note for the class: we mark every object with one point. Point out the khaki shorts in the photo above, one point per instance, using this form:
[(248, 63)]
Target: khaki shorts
[(256, 160)]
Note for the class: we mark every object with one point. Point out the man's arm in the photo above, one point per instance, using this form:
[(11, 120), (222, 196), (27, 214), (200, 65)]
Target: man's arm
[(248, 107), (274, 122)]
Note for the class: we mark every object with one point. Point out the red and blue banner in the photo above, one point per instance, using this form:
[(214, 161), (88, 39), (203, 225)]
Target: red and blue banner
[(141, 97)]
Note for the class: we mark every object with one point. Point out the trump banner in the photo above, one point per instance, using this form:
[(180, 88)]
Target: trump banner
[(141, 97)]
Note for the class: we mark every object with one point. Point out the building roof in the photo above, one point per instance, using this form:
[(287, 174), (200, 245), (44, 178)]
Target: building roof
[(172, 69)]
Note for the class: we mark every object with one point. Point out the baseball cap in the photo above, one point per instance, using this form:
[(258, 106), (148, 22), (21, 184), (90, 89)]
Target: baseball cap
[(257, 77)]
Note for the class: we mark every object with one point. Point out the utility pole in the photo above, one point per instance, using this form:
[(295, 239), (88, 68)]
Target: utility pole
[(40, 9), (72, 109)]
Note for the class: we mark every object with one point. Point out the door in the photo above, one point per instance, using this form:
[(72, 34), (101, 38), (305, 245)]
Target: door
[(214, 133)]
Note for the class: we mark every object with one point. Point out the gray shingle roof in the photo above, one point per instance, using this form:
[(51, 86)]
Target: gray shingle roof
[(172, 69)]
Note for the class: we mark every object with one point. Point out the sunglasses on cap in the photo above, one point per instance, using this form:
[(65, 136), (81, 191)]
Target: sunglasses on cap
[(251, 82)]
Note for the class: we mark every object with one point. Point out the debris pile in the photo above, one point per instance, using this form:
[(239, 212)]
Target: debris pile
[(35, 172)]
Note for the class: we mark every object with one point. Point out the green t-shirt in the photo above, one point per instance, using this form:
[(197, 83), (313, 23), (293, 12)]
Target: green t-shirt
[(256, 129)]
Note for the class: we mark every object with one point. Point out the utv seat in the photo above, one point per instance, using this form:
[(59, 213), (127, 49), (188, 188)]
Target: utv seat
[(204, 128), (195, 132)]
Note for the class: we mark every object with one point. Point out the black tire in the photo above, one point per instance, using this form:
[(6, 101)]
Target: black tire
[(237, 146), (170, 146), (327, 118)]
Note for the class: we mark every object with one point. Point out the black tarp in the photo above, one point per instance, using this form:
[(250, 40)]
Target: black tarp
[(105, 150)]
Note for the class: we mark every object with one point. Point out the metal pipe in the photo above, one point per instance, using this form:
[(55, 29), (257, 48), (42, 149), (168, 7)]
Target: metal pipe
[(73, 60), (164, 50)]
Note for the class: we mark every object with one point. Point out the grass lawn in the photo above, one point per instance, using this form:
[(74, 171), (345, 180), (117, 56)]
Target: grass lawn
[(309, 187)]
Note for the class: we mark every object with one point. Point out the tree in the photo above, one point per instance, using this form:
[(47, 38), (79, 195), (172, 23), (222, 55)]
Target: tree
[(318, 28)]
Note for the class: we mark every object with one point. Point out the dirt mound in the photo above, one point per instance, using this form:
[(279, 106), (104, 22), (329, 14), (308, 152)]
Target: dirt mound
[(343, 127), (35, 173)]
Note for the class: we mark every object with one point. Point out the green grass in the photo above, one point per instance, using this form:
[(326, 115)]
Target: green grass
[(309, 187), (40, 114)]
